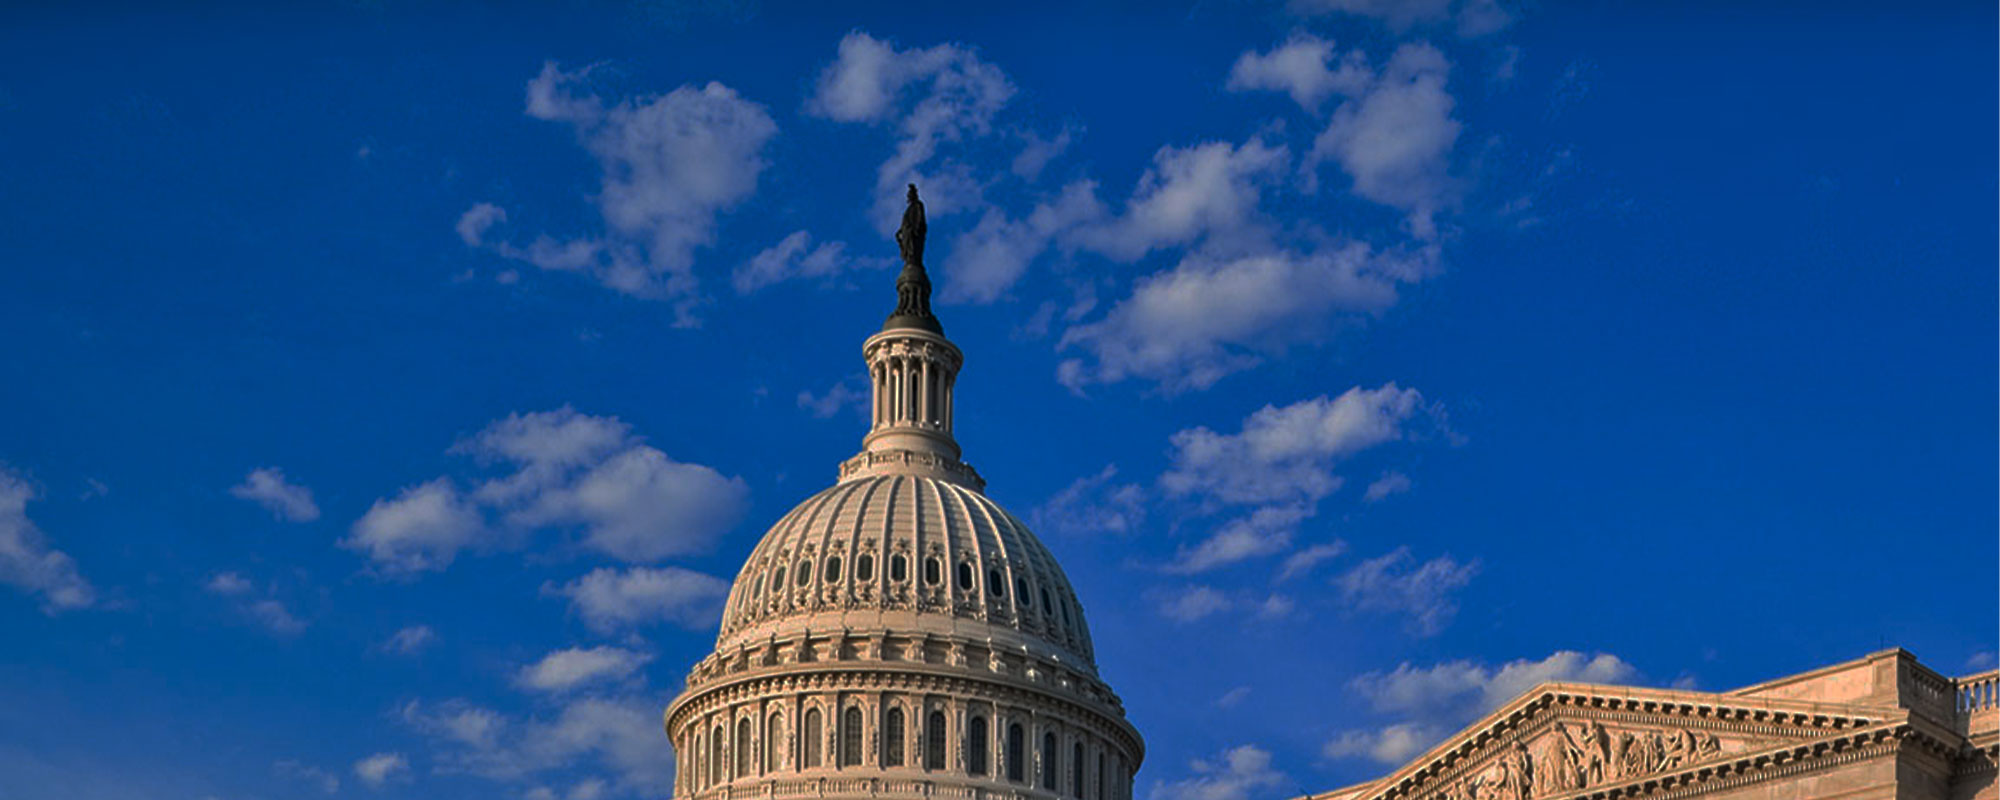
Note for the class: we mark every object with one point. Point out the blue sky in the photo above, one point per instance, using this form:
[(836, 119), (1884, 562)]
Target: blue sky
[(394, 386)]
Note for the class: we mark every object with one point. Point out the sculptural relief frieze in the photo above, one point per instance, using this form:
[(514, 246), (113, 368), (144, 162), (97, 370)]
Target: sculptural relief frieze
[(1575, 756)]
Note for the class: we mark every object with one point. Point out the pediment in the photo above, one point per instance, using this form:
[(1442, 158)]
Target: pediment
[(1563, 740)]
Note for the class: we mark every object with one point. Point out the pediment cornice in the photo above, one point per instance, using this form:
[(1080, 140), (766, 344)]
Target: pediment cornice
[(1584, 740)]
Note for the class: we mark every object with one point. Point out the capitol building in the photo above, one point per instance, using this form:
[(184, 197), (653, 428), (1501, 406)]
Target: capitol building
[(900, 635)]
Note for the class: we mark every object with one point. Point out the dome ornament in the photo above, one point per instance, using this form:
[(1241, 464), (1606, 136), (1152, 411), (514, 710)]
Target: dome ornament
[(913, 285)]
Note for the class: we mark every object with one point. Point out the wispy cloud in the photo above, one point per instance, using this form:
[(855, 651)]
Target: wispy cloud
[(287, 501), (27, 562), (571, 471), (669, 164)]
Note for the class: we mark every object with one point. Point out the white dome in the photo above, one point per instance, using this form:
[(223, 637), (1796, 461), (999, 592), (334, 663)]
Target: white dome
[(899, 636), (909, 553)]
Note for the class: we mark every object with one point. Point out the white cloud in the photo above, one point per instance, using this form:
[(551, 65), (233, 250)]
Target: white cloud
[(1286, 454), (1238, 773), (795, 257), (1472, 689), (1437, 701), (1207, 317), (1394, 744), (275, 617), (609, 599), (932, 96), (1038, 152), (477, 220), (227, 584), (1424, 593), (571, 471), (377, 770), (987, 260), (1301, 562), (1208, 190), (566, 670), (1302, 67), (670, 164), (423, 528), (842, 395), (1093, 504), (1395, 140), (1263, 532), (1233, 697), (27, 562), (619, 734), (410, 640), (1391, 483), (1468, 18), (1193, 603), (267, 487), (325, 781)]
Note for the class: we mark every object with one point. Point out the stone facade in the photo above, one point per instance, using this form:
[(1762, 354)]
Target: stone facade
[(1880, 727)]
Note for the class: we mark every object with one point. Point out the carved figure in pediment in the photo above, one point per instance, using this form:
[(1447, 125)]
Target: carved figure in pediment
[(1519, 773), (1557, 766), (1592, 752)]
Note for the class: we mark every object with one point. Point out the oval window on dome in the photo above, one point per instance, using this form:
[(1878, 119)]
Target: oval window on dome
[(864, 567), (965, 576), (778, 579), (833, 569), (1066, 618), (899, 568), (1045, 600), (933, 571), (805, 572), (1021, 593), (995, 583)]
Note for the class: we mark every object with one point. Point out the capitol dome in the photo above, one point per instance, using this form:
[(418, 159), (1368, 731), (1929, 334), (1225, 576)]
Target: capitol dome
[(899, 634)]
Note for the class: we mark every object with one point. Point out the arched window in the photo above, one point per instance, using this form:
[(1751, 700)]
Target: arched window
[(715, 738), (805, 572), (850, 737), (774, 753), (1066, 618), (1076, 769), (778, 580), (934, 741), (864, 567), (700, 764), (833, 569), (1046, 605), (1049, 761), (892, 738), (965, 576), (1021, 593), (811, 740), (995, 583), (743, 751), (933, 571), (1100, 777), (976, 747), (899, 568), (1017, 744)]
